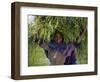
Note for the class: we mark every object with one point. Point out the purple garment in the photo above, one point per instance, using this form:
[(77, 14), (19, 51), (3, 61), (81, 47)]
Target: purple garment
[(70, 57), (54, 46), (70, 49)]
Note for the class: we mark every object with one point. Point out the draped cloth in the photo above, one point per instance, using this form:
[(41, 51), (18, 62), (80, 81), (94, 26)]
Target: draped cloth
[(60, 54)]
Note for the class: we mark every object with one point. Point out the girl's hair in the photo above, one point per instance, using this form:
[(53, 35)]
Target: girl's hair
[(56, 31)]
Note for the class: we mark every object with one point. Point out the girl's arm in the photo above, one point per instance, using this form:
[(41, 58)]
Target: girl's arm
[(43, 44)]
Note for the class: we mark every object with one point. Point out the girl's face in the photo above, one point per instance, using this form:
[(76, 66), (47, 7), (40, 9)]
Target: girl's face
[(58, 38)]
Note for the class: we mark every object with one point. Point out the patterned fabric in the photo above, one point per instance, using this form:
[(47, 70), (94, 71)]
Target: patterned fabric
[(60, 53)]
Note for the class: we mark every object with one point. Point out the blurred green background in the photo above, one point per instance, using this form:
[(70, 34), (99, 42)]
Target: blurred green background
[(44, 26)]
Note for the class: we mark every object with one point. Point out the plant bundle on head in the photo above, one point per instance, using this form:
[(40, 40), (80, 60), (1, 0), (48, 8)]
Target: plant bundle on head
[(44, 27)]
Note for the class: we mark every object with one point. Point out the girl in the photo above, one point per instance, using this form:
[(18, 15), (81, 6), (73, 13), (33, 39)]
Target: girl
[(58, 52)]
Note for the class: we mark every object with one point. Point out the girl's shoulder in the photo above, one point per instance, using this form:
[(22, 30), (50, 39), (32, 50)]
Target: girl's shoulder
[(52, 44), (70, 45)]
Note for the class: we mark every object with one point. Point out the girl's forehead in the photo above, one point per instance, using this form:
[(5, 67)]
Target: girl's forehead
[(57, 34)]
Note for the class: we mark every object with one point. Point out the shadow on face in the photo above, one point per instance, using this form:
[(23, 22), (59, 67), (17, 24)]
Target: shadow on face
[(58, 38)]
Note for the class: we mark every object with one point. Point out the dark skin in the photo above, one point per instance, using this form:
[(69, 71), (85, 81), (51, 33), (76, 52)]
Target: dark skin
[(58, 38)]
